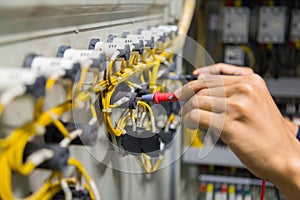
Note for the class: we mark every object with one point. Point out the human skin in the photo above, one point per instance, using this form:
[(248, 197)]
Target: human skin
[(238, 104)]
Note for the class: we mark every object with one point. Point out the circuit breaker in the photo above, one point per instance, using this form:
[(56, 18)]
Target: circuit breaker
[(236, 24), (295, 25), (234, 55), (271, 26)]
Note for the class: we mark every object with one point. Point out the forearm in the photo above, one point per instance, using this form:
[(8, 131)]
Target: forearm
[(285, 174)]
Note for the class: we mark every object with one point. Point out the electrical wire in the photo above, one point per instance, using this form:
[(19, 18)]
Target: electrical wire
[(263, 187)]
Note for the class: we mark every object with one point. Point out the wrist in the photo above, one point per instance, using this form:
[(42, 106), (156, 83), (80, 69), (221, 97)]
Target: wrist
[(285, 174)]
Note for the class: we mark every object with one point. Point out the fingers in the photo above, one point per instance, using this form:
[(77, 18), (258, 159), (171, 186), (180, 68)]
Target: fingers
[(203, 119), (223, 69), (207, 103), (207, 81)]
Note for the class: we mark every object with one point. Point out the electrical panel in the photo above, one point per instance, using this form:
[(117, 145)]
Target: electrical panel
[(295, 25), (271, 25), (236, 24), (81, 101)]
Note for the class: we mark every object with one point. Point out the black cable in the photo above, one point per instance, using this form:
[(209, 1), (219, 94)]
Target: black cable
[(277, 192)]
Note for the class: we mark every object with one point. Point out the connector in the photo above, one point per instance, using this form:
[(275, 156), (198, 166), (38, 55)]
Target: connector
[(148, 40), (110, 48), (37, 89), (11, 77), (143, 90), (135, 44), (81, 55), (124, 100), (88, 137), (160, 35), (47, 66), (57, 162)]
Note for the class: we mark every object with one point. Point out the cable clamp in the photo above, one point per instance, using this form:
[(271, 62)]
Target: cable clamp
[(107, 110)]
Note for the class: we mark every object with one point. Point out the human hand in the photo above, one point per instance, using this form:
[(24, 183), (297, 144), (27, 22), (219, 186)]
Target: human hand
[(226, 69), (223, 69), (242, 109)]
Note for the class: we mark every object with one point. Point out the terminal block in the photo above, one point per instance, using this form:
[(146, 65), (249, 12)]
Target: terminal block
[(110, 48)]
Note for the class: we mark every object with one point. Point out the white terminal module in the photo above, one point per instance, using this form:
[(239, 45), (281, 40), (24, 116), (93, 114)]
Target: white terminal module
[(236, 25), (295, 25), (271, 26), (234, 55)]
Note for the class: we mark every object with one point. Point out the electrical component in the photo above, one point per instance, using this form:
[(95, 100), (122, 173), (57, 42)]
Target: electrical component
[(159, 35), (234, 55), (13, 77), (111, 49), (236, 25), (58, 161), (295, 26), (168, 31), (158, 97), (271, 26), (148, 40), (135, 45), (49, 66), (81, 55), (87, 137), (173, 28), (140, 141), (124, 100)]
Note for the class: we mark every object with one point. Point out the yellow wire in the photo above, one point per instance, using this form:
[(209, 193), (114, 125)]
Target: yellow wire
[(147, 106), (93, 110), (62, 129), (50, 83), (109, 68), (84, 71), (80, 168), (156, 165), (1, 108)]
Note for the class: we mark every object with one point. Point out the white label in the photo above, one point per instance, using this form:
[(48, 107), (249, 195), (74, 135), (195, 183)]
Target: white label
[(145, 38), (78, 54), (109, 48), (168, 27)]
